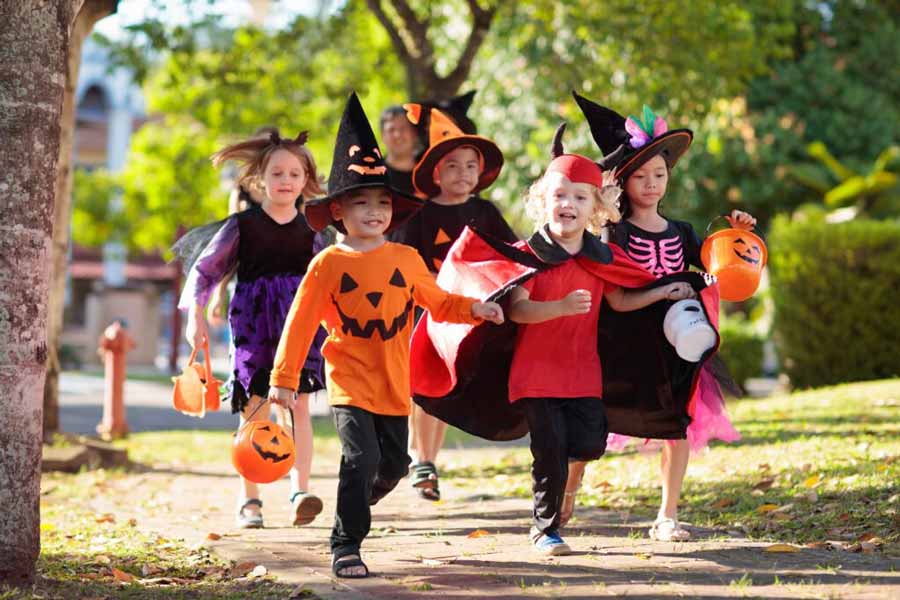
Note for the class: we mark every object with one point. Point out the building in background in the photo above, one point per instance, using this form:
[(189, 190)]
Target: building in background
[(105, 283)]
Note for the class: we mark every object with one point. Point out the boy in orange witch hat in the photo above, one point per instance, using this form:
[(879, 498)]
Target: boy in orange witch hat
[(454, 168)]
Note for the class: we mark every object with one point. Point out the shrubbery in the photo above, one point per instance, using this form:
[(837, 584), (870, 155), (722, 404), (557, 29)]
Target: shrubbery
[(836, 290)]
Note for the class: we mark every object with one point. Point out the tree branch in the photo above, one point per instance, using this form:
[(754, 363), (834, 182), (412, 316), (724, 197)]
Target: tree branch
[(399, 45), (418, 31), (481, 24)]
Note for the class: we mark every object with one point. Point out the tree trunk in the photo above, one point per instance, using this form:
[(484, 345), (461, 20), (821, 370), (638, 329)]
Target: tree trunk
[(409, 36), (91, 12), (34, 37)]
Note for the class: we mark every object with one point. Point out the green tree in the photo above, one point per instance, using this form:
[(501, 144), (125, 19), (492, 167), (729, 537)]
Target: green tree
[(839, 86)]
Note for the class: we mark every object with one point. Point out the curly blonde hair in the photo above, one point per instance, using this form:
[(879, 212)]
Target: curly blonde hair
[(253, 155), (605, 206)]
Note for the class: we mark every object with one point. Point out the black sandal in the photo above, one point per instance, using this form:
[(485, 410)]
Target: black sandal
[(339, 563), (425, 480)]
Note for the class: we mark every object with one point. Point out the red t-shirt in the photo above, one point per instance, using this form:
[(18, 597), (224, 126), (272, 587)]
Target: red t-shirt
[(558, 358)]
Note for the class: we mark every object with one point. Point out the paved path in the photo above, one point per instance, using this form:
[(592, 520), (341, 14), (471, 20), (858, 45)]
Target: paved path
[(420, 549)]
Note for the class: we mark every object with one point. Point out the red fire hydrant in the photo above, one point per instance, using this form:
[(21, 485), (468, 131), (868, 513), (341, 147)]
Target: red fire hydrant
[(115, 343)]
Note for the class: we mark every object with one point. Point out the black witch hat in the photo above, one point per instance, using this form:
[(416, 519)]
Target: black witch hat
[(629, 143), (358, 164)]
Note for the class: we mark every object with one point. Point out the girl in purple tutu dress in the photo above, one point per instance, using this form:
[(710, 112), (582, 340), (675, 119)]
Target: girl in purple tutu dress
[(269, 247), (641, 152)]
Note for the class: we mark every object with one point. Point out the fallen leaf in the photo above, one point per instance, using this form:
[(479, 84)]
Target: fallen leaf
[(853, 548), (148, 570), (781, 548), (764, 484), (258, 571), (811, 496), (102, 559), (812, 481), (106, 518), (780, 516), (765, 466), (871, 546), (90, 576), (844, 517), (47, 526), (132, 522), (213, 536), (766, 508), (242, 569), (819, 545), (478, 533), (122, 575), (643, 555), (724, 503), (432, 562)]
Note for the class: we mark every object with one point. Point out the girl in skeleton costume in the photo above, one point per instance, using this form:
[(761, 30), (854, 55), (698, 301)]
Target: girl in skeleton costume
[(268, 246), (642, 152)]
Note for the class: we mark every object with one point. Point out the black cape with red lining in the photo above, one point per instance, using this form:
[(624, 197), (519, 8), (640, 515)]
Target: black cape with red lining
[(460, 372)]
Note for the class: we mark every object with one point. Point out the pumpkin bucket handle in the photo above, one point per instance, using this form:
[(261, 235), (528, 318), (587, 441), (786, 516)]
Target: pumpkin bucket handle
[(734, 224), (255, 410)]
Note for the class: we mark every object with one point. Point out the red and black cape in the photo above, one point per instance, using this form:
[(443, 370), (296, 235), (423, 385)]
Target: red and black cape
[(460, 372)]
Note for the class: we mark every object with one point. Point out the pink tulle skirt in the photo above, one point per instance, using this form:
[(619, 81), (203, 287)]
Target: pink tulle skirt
[(709, 420)]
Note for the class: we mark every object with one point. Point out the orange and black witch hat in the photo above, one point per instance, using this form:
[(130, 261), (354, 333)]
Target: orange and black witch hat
[(444, 136)]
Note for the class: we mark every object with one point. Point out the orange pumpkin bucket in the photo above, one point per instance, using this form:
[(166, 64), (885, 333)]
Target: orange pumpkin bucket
[(736, 256), (196, 389), (262, 451)]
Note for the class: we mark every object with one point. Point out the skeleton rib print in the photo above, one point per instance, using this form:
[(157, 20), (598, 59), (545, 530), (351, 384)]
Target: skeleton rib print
[(659, 257)]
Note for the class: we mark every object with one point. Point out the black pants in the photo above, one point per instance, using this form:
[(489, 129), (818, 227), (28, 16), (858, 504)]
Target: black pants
[(373, 459), (562, 429)]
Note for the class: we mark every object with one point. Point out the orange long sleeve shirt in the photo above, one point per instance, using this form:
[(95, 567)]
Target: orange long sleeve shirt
[(365, 302)]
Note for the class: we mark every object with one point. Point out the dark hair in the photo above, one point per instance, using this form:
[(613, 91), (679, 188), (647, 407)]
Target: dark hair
[(391, 112), (625, 201)]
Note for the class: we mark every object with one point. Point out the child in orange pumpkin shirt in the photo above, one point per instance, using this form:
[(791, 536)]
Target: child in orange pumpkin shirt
[(364, 289)]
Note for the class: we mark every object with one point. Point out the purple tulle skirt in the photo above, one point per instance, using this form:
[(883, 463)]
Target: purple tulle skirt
[(257, 314), (709, 420)]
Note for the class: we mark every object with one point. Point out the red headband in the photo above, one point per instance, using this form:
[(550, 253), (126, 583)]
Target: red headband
[(578, 169)]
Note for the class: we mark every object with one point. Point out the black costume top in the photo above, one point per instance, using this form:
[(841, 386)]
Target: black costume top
[(401, 180), (434, 228), (661, 253)]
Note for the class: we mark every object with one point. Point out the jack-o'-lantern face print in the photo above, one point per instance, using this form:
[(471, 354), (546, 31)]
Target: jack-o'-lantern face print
[(385, 309), (366, 162), (272, 444), (747, 252)]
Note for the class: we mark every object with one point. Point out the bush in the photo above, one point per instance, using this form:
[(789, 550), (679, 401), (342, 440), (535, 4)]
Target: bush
[(835, 288), (741, 349)]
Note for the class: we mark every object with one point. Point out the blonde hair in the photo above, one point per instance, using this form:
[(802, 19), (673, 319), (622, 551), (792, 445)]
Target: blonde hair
[(254, 154), (605, 209)]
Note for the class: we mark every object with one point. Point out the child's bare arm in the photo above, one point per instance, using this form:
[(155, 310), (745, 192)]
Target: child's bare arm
[(623, 300), (524, 310)]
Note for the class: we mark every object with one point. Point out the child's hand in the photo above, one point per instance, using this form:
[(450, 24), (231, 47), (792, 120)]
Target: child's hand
[(488, 311), (577, 303), (678, 291), (282, 396), (195, 331), (744, 218)]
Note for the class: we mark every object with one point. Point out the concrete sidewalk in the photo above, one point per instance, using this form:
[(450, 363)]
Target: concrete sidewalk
[(148, 406), (419, 549)]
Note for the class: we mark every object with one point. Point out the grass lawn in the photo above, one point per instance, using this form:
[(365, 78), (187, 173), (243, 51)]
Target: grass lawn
[(812, 467)]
